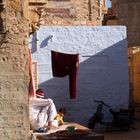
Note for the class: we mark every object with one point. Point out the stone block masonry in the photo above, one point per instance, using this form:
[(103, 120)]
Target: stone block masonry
[(72, 12), (14, 78), (128, 13)]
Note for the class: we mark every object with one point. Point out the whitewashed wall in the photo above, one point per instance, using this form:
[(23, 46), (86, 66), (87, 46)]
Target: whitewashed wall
[(102, 73)]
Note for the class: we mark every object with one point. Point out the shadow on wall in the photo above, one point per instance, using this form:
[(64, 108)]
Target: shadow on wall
[(34, 43), (44, 43), (103, 76)]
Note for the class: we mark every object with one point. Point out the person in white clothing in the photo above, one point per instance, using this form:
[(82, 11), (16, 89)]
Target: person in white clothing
[(42, 112)]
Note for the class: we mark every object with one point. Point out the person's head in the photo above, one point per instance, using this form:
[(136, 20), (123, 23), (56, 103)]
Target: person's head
[(39, 93), (62, 110)]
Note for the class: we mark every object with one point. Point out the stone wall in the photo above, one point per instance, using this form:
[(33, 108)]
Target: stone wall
[(14, 78), (72, 12), (66, 12), (128, 13)]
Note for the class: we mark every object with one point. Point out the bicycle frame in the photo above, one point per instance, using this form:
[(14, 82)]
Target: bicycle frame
[(121, 119)]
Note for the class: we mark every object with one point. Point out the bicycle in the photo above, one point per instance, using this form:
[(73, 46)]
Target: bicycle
[(122, 119)]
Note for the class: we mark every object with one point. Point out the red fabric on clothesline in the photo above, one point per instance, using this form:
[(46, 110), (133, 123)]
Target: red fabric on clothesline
[(66, 64)]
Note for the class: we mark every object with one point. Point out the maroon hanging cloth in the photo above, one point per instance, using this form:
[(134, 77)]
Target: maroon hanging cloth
[(31, 84), (66, 64)]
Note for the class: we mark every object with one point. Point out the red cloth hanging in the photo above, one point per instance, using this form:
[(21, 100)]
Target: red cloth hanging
[(31, 82), (66, 64)]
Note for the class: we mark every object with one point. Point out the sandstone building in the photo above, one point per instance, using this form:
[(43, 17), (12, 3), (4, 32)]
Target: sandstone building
[(127, 12), (66, 12), (14, 75)]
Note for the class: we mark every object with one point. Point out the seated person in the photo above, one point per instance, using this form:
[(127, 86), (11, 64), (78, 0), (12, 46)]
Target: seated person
[(42, 112), (60, 115)]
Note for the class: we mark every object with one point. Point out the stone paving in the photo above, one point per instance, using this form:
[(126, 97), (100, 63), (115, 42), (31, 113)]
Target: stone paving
[(132, 134)]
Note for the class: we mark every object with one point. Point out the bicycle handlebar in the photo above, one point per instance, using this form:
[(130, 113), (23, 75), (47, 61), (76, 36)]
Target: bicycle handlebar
[(98, 101), (102, 103)]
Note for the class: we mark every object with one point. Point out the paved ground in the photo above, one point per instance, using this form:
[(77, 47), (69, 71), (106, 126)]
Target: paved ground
[(132, 134)]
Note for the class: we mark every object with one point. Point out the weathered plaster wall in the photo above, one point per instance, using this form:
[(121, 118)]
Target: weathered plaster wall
[(102, 73), (14, 79)]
